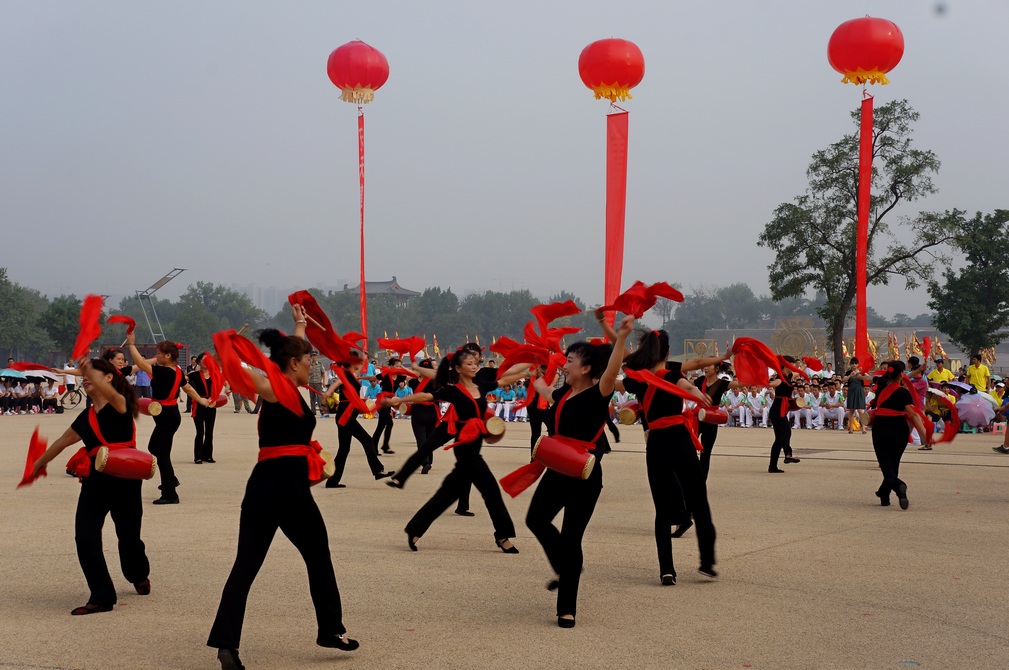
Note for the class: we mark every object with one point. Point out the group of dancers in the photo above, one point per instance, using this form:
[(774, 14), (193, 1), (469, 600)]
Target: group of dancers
[(278, 492)]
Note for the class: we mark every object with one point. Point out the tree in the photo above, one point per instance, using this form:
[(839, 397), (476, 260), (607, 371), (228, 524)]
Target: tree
[(21, 309), (61, 321), (972, 305), (814, 237)]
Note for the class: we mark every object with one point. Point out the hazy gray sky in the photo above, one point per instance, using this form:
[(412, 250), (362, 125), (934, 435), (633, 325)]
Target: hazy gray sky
[(140, 136)]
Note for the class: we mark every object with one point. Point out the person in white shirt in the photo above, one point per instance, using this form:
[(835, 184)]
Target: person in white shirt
[(69, 380), (812, 398), (768, 394), (737, 408), (755, 401), (832, 406), (20, 403), (798, 415), (49, 393)]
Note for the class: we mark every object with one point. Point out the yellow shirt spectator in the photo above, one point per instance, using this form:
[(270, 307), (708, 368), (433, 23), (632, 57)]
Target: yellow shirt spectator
[(978, 376), (939, 376)]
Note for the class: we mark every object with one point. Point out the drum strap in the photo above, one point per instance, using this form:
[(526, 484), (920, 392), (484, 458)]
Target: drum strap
[(79, 464), (173, 395), (316, 463)]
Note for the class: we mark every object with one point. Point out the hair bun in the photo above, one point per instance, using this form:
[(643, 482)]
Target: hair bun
[(271, 337)]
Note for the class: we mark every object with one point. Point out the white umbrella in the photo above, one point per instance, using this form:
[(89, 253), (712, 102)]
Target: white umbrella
[(44, 374)]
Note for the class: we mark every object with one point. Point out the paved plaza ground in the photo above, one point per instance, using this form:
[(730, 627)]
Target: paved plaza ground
[(814, 573)]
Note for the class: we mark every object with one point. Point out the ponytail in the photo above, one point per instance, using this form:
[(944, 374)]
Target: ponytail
[(653, 348)]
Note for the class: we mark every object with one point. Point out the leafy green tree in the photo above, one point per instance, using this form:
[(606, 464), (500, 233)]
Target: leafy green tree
[(972, 305), (61, 321), (813, 237), (21, 333)]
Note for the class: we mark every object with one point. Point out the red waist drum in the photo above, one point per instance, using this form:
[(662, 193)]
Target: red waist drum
[(567, 458), (628, 413), (716, 416), (126, 463)]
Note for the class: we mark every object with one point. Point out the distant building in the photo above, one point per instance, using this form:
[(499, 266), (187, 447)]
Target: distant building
[(392, 288)]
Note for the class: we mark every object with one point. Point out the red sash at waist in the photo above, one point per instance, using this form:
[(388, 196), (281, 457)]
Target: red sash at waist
[(316, 463), (688, 419)]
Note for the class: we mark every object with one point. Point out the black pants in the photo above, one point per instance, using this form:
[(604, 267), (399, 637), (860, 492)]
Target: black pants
[(278, 496), (470, 467), (160, 446), (423, 422), (438, 437), (203, 445), (889, 440), (670, 456), (563, 547), (782, 433), (384, 426), (102, 495), (345, 434), (537, 419), (707, 432), (612, 426)]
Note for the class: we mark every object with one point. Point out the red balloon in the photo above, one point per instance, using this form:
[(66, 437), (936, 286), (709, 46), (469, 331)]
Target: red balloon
[(358, 70), (611, 68), (865, 49)]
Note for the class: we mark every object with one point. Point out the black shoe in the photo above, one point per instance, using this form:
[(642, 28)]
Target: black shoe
[(209, 460), (553, 584), (388, 451), (167, 501), (789, 459), (425, 469), (197, 461), (335, 485), (682, 528), (341, 642), (464, 512), (884, 500), (143, 587), (902, 495), (90, 608), (708, 571), (510, 550), (395, 483), (383, 475), (410, 542), (229, 659), (669, 580), (565, 623), (774, 469)]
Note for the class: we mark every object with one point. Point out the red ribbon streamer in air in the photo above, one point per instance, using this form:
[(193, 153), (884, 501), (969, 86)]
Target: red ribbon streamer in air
[(752, 358), (90, 325), (814, 364), (323, 338), (28, 367), (234, 349), (122, 318), (544, 314), (36, 448), (640, 298)]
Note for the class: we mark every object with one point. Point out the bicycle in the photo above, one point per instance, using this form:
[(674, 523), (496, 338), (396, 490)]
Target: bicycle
[(73, 398)]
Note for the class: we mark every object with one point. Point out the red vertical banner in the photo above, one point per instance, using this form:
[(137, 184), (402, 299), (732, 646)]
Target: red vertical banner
[(616, 201), (862, 232), (360, 161)]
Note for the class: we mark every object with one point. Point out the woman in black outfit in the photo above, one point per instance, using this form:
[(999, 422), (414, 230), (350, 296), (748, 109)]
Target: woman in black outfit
[(895, 407), (166, 380), (348, 428), (387, 384), (108, 422), (424, 416), (278, 496), (581, 406), (457, 382), (204, 416), (778, 416), (714, 387), (674, 473)]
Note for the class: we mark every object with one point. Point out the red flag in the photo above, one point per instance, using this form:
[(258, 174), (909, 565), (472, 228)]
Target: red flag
[(234, 349), (122, 318), (862, 231), (616, 203), (926, 346), (90, 325), (36, 448)]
